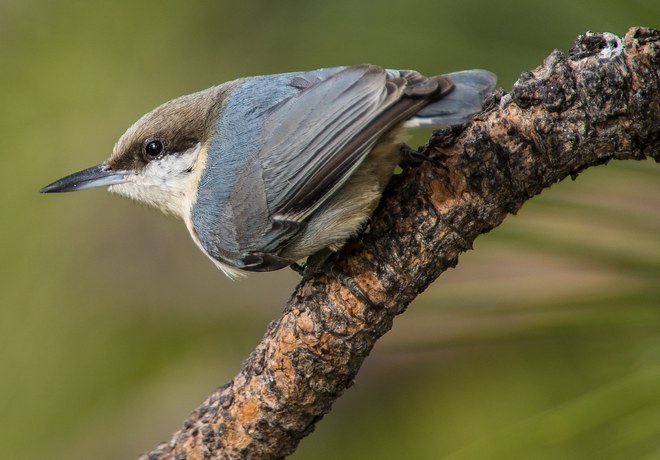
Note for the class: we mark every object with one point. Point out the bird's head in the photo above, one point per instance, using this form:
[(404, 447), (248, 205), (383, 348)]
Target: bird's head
[(158, 160)]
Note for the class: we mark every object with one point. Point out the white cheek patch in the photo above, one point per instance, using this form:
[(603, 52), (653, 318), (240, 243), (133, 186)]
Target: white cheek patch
[(165, 184), (169, 171)]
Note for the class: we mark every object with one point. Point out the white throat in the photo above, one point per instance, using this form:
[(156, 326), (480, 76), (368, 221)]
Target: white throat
[(170, 184)]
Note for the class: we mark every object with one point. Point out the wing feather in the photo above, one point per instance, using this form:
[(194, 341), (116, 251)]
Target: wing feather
[(314, 140)]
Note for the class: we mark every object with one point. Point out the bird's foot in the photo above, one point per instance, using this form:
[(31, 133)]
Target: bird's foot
[(324, 265)]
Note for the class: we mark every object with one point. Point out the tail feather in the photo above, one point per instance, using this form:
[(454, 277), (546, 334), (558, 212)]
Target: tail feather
[(470, 89)]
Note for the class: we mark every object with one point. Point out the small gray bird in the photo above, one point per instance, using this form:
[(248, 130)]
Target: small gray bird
[(268, 170)]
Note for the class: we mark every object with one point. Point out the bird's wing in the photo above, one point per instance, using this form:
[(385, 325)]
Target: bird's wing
[(314, 140)]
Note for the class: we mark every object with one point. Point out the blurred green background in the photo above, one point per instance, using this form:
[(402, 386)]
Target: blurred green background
[(544, 343)]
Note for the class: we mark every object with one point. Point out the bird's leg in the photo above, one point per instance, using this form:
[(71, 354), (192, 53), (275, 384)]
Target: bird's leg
[(411, 157), (320, 262), (351, 285)]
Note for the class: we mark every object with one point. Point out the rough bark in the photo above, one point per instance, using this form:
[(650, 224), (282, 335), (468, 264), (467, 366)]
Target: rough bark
[(599, 104)]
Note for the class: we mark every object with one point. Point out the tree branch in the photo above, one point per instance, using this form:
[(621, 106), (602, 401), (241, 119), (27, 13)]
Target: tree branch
[(600, 103)]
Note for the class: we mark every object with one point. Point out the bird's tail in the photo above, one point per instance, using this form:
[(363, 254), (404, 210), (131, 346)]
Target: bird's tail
[(466, 98)]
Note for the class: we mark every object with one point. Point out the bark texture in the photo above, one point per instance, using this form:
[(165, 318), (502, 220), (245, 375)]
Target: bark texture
[(598, 104)]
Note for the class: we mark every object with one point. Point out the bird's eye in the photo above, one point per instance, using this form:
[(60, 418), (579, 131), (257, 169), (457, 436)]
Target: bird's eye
[(153, 148)]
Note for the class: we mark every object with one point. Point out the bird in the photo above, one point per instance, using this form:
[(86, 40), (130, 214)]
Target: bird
[(266, 171)]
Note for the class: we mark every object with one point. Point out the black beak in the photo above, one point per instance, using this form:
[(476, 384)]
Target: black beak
[(96, 176)]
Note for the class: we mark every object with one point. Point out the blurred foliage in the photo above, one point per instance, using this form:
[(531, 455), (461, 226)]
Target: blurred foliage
[(544, 343)]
